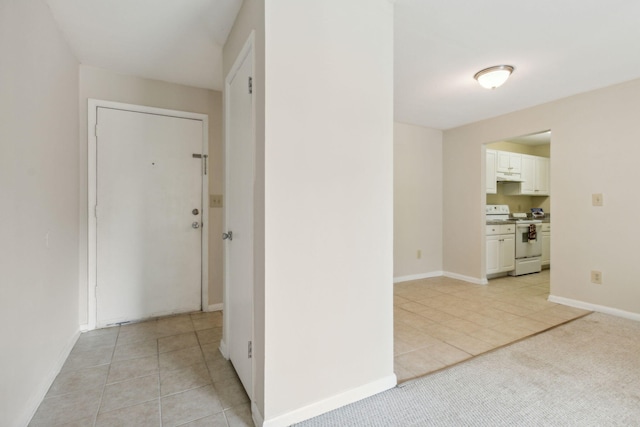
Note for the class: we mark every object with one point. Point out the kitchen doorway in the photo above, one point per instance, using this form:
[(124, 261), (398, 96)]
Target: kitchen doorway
[(518, 195)]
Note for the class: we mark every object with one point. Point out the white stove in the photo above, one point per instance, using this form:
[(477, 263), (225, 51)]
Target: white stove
[(528, 246), (502, 213)]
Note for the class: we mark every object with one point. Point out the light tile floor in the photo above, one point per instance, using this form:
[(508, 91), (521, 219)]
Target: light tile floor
[(163, 372), (439, 322)]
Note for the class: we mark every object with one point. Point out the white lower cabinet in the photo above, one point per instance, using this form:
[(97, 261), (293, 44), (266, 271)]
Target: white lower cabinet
[(545, 234), (500, 248)]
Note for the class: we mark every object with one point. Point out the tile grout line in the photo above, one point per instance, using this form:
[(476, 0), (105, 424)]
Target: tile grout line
[(104, 386)]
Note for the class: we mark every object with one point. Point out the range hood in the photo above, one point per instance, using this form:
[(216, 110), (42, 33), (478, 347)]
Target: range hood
[(508, 177)]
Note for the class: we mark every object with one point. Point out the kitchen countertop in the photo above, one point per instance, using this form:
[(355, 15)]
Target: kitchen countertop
[(513, 221)]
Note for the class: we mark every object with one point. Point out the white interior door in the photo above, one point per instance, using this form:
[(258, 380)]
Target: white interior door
[(239, 220), (148, 234)]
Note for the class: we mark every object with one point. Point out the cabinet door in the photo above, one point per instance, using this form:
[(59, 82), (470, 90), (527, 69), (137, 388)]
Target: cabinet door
[(515, 163), (546, 248), (503, 161), (509, 162), (542, 176), (492, 185), (528, 175), (493, 254), (507, 252)]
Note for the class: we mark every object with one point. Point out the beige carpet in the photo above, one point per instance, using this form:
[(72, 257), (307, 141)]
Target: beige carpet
[(583, 373)]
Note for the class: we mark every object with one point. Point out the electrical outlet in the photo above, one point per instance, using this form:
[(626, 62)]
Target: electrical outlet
[(596, 199), (596, 277), (215, 200), (419, 254)]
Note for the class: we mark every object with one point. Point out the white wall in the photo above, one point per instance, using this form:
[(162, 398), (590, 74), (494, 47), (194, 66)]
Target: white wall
[(594, 149), (38, 207), (328, 205), (417, 202), (107, 85)]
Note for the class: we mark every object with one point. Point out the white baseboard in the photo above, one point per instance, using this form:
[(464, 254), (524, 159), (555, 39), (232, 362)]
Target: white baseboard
[(595, 307), (84, 328), (40, 393), (409, 278), (258, 419), (215, 307), (333, 402), (224, 349), (469, 279)]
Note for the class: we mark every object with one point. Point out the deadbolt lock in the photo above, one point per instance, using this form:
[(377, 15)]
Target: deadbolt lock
[(195, 211)]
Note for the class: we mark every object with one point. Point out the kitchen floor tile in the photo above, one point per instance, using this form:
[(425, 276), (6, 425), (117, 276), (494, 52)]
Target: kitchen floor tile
[(143, 415), (189, 406), (133, 368), (467, 320), (180, 359), (79, 380), (239, 416), (130, 392), (177, 342), (67, 408), (184, 379)]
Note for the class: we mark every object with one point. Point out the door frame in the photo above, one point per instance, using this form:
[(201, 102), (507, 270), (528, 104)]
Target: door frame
[(92, 260), (247, 49)]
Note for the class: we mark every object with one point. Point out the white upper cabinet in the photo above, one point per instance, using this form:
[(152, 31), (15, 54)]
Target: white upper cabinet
[(509, 162), (491, 183), (542, 176), (535, 177)]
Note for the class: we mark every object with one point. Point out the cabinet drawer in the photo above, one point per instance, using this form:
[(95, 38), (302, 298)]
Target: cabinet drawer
[(508, 229), (492, 230), (545, 227)]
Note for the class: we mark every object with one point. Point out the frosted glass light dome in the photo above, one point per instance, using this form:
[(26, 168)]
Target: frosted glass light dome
[(493, 77)]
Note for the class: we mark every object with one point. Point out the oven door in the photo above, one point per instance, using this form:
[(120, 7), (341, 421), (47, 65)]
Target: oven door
[(526, 248)]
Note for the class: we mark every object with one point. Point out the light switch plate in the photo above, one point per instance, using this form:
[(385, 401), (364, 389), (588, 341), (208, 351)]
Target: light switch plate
[(215, 200)]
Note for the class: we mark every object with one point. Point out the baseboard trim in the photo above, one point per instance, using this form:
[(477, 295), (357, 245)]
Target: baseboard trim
[(333, 402), (258, 419), (224, 349), (215, 307), (38, 396), (469, 279), (595, 307), (411, 277)]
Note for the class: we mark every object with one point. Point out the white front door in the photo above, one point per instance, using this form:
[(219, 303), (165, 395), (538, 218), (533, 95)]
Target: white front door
[(239, 220), (149, 215)]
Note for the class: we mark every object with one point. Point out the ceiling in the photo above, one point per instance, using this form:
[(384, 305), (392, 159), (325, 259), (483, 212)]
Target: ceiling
[(178, 41), (559, 48)]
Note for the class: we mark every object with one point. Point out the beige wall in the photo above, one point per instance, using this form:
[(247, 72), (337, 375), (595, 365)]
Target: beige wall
[(329, 190), (417, 202), (38, 207), (594, 150), (329, 186), (543, 150), (110, 86)]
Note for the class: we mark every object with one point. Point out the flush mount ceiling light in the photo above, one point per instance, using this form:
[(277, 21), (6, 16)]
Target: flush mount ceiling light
[(493, 77)]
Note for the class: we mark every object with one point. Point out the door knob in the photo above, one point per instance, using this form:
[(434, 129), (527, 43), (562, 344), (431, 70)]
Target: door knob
[(195, 224), (227, 236)]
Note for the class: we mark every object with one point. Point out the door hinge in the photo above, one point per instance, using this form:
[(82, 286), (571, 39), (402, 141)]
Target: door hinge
[(250, 350), (95, 130), (95, 211), (250, 85)]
